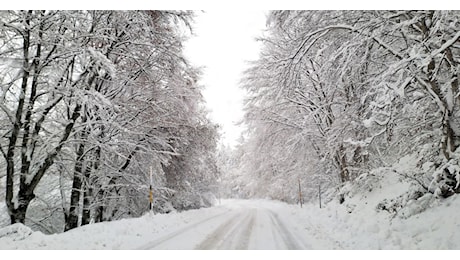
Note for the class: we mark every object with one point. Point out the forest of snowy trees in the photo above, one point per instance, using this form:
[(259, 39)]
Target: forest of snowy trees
[(92, 102), (335, 94)]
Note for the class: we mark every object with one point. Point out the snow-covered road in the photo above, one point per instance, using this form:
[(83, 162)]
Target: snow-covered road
[(247, 227), (235, 224)]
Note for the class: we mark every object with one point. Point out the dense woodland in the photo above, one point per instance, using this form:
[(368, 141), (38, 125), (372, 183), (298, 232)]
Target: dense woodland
[(92, 102), (336, 94)]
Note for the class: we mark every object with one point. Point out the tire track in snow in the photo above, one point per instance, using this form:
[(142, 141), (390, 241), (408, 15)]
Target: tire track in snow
[(233, 234), (238, 229), (217, 237), (179, 232), (246, 235), (288, 238)]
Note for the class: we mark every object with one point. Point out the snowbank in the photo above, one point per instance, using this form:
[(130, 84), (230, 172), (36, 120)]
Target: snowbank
[(359, 223)]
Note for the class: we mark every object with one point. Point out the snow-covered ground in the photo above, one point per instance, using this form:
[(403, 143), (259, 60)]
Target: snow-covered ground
[(235, 224), (256, 224), (265, 224)]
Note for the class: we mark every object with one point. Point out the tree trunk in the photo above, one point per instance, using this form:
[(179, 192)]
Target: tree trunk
[(448, 144), (76, 190), (99, 214), (74, 203), (87, 197), (342, 164), (102, 213), (86, 216), (12, 210), (26, 189), (19, 213)]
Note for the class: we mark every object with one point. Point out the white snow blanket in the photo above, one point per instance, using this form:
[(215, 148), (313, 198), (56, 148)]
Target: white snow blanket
[(259, 224)]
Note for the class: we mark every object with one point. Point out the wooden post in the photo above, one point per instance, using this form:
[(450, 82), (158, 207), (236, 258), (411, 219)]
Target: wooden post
[(319, 194), (150, 192), (300, 194), (219, 189)]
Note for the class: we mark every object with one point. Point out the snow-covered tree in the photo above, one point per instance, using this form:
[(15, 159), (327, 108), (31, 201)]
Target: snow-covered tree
[(38, 83), (95, 99), (336, 93)]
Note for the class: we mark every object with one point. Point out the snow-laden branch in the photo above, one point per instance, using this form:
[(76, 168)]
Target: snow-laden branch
[(324, 30), (443, 47)]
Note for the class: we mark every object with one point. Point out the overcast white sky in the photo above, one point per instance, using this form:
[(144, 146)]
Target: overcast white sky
[(223, 43)]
